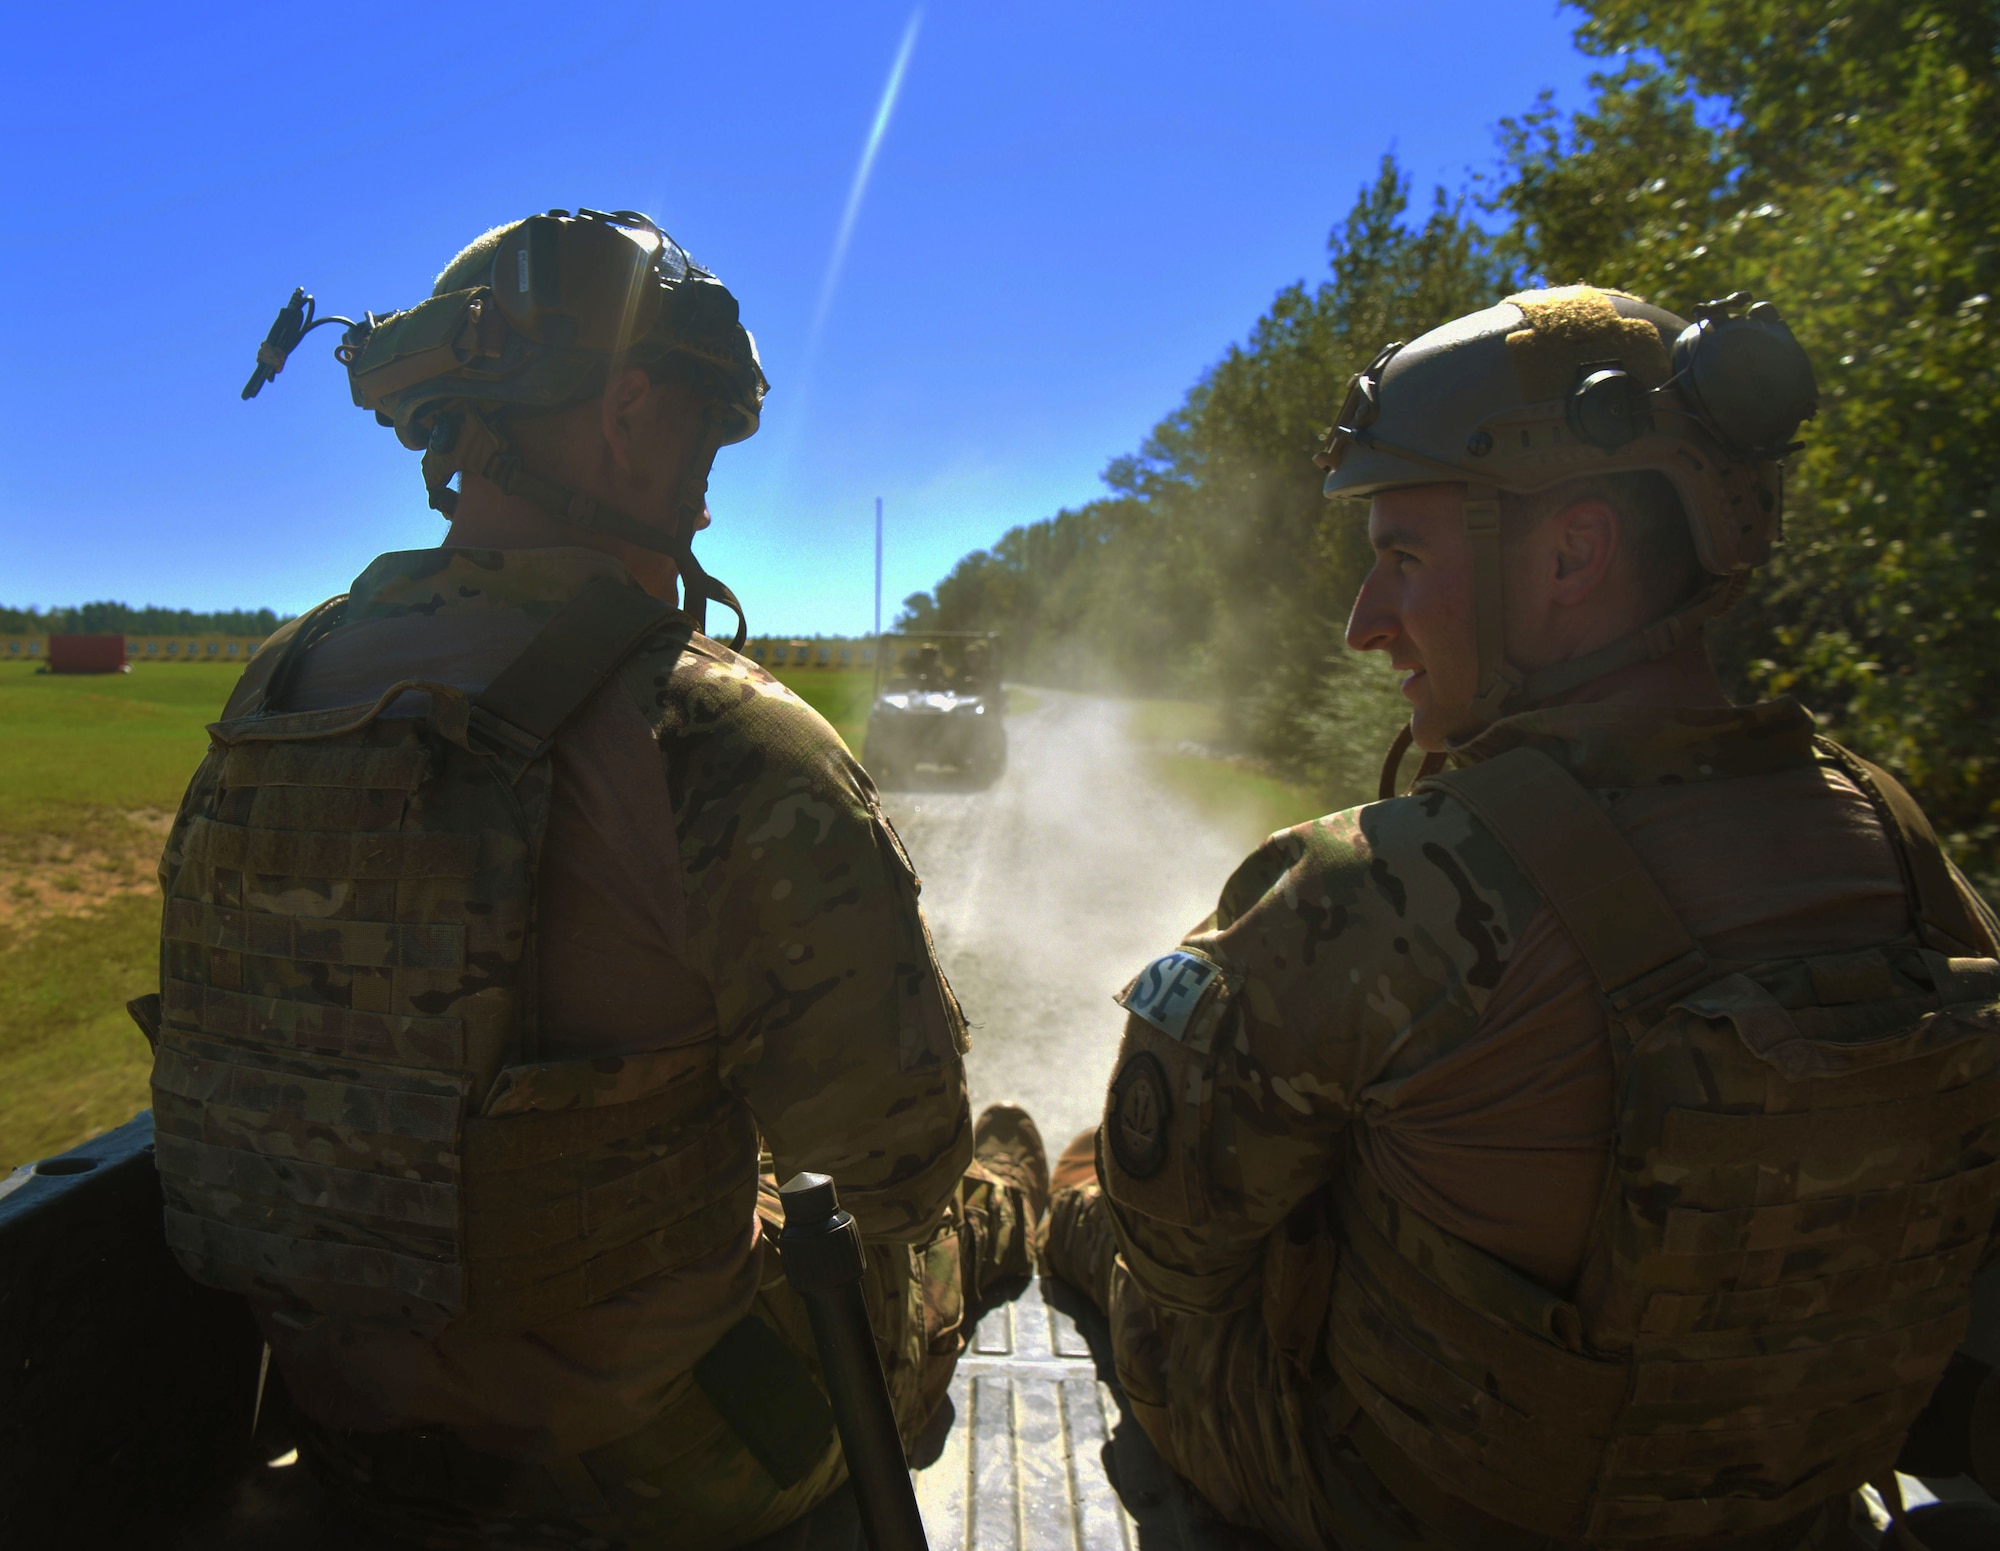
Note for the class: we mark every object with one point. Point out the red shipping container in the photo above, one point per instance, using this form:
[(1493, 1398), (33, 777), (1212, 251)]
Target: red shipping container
[(86, 654)]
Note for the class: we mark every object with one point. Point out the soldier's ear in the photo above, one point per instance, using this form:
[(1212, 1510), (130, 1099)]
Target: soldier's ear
[(627, 414), (1583, 541)]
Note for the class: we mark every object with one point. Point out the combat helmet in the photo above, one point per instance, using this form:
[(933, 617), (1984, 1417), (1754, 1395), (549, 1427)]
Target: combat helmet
[(536, 316), (1561, 384)]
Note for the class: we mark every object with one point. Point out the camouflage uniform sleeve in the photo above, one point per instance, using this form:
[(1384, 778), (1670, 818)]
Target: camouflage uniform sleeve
[(837, 1028), (1347, 953)]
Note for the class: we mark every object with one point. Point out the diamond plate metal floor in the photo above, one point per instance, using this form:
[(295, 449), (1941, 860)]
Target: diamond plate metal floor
[(1035, 1451)]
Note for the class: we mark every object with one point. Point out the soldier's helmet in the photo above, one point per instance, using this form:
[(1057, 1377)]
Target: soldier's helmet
[(1573, 382), (536, 315), (1566, 383)]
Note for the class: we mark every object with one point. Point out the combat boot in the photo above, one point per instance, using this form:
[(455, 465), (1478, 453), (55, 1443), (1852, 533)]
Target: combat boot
[(1007, 1142)]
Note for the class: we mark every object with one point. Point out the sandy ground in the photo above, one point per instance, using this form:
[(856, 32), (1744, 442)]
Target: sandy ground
[(1048, 891), (107, 852)]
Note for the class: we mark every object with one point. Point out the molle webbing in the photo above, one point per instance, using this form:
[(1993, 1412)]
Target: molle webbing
[(351, 1115), (1804, 1173)]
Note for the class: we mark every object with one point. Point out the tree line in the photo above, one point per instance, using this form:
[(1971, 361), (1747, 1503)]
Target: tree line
[(1835, 158), (122, 619)]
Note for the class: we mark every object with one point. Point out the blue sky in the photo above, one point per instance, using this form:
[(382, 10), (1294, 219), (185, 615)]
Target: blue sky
[(1071, 210)]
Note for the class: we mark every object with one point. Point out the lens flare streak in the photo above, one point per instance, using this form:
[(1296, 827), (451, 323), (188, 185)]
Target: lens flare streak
[(859, 188)]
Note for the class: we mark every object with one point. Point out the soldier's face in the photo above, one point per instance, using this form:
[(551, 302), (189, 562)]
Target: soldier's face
[(1416, 606)]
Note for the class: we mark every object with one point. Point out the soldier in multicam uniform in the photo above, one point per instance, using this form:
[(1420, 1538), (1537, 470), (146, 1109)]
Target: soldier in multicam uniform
[(519, 938), (1593, 1147)]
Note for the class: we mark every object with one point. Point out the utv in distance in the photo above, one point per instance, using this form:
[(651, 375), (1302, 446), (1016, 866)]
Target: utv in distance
[(938, 704)]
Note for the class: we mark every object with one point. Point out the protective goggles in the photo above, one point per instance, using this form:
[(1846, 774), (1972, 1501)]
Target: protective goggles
[(591, 281)]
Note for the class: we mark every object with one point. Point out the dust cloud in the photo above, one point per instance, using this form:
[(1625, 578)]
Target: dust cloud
[(1046, 893)]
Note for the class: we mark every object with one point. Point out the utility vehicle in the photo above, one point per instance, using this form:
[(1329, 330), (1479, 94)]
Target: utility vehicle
[(939, 706)]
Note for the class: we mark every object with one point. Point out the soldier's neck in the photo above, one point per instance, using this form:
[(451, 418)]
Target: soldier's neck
[(1684, 677), (489, 518)]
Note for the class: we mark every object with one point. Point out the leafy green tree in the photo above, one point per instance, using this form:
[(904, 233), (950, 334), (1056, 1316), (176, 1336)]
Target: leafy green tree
[(1835, 156), (122, 619), (1844, 169), (1215, 566)]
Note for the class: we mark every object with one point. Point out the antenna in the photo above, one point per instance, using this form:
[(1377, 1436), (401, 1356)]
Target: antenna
[(878, 568)]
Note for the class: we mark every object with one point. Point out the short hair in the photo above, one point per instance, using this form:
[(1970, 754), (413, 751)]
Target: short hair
[(1653, 527)]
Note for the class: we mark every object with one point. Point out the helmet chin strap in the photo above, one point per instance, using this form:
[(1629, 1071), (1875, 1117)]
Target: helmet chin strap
[(1430, 765), (1500, 682), (699, 589), (485, 450)]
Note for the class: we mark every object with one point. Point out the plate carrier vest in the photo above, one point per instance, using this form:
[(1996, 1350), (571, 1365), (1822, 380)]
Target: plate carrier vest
[(350, 1111), (1802, 1183)]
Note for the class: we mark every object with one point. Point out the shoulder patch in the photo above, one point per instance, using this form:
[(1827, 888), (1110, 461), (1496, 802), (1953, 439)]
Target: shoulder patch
[(1168, 992), (1140, 1115)]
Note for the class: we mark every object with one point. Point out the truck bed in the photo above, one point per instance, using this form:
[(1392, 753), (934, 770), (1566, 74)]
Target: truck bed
[(126, 1395), (1032, 1451)]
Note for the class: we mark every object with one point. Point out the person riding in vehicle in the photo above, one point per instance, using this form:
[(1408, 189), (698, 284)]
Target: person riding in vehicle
[(1595, 1145), (519, 938)]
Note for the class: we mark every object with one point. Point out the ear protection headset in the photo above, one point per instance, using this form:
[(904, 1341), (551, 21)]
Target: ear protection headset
[(1746, 379)]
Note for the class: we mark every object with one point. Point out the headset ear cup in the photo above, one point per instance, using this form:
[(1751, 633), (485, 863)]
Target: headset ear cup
[(1747, 379)]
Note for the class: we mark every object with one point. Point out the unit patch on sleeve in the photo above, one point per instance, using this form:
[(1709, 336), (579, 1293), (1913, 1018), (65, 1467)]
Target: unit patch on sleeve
[(1167, 991), (1141, 1113)]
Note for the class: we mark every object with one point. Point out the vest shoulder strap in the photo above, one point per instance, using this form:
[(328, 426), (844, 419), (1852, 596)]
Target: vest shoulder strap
[(1632, 940), (569, 658), (264, 680), (528, 701), (1940, 904)]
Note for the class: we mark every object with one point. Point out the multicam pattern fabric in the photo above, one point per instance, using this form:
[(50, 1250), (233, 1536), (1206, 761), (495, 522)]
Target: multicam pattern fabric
[(837, 1040), (686, 1482), (1805, 1173), (350, 1118), (795, 881)]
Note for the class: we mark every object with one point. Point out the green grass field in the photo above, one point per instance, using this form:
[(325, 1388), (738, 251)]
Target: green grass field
[(841, 695), (119, 741), (93, 768), (1252, 804)]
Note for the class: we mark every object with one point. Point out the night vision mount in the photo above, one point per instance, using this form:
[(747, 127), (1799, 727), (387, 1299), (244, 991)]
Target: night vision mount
[(295, 320), (592, 284)]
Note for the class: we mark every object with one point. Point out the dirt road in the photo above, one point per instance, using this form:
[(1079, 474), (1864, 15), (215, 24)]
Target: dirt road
[(1047, 891)]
